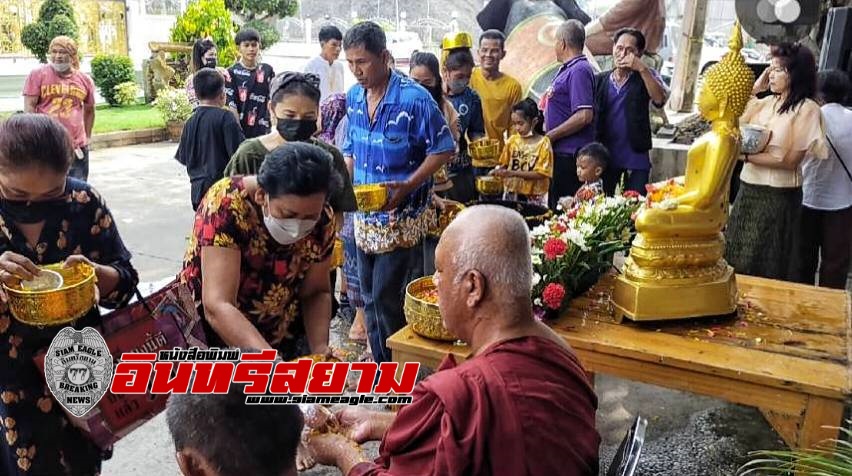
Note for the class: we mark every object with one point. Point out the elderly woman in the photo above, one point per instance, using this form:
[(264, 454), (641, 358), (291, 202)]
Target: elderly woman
[(258, 259), (765, 216), (46, 218)]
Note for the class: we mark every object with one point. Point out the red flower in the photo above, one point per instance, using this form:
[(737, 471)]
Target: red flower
[(553, 295), (631, 194), (560, 228), (573, 213), (554, 248)]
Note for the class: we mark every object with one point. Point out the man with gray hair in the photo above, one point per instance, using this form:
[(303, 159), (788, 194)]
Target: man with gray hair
[(520, 404), (569, 109)]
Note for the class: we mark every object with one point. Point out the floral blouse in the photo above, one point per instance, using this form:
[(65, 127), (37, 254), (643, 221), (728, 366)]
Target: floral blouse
[(271, 274), (35, 437)]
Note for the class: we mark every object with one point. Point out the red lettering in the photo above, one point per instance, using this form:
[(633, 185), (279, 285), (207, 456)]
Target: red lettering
[(387, 378), (255, 374), (291, 377), (212, 377), (368, 375), (132, 374), (328, 377), (164, 382)]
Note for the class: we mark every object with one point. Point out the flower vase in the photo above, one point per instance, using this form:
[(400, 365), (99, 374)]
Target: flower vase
[(175, 129)]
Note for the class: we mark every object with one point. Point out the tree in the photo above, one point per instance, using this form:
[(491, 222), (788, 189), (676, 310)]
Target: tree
[(263, 9), (208, 18), (55, 18)]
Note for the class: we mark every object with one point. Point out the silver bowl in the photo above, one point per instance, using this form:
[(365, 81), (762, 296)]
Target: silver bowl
[(755, 138)]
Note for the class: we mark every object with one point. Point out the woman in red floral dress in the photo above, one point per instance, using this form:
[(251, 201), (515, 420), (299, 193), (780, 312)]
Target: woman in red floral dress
[(258, 257)]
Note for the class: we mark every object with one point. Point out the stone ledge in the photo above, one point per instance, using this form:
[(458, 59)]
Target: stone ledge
[(125, 138)]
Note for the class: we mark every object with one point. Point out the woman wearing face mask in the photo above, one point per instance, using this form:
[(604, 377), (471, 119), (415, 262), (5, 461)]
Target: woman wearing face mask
[(46, 218), (294, 109), (204, 55), (258, 258), (426, 71)]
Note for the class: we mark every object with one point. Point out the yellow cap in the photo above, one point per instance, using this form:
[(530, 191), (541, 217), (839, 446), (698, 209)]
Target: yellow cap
[(457, 40)]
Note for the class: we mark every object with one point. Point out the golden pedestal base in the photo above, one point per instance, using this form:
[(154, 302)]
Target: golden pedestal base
[(667, 301)]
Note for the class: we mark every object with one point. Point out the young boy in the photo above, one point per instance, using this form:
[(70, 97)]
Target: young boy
[(591, 164), (248, 89), (219, 435), (210, 137)]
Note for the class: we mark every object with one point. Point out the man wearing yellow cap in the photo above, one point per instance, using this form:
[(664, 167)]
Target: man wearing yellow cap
[(62, 91)]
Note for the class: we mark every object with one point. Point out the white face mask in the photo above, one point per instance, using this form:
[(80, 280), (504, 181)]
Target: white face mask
[(61, 67), (287, 231)]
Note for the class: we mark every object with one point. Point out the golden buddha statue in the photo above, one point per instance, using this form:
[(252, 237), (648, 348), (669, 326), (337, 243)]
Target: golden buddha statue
[(676, 268)]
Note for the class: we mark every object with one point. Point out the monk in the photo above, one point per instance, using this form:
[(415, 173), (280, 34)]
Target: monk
[(521, 405)]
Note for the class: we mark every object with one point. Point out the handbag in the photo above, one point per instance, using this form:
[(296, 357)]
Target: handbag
[(165, 319)]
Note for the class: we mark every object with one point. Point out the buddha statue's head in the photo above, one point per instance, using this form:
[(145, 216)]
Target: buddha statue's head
[(727, 84)]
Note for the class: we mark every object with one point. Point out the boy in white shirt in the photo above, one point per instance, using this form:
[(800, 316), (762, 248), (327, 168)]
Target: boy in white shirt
[(326, 66)]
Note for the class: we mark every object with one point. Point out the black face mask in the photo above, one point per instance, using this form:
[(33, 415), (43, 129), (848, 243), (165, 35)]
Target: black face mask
[(27, 213), (210, 63), (295, 130)]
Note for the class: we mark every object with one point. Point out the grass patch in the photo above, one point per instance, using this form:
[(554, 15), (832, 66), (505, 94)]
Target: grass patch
[(129, 118), (113, 119)]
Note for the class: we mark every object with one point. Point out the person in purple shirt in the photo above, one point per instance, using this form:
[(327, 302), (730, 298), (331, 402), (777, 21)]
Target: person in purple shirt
[(569, 109), (622, 97)]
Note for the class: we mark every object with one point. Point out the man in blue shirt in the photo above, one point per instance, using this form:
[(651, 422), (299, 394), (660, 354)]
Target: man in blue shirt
[(397, 136)]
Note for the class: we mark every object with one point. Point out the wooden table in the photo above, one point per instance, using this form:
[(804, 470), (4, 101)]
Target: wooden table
[(787, 352)]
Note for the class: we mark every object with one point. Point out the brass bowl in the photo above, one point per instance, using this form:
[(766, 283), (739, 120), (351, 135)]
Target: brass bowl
[(337, 254), (485, 152), (489, 185), (371, 197), (422, 314), (317, 358), (445, 216), (70, 302)]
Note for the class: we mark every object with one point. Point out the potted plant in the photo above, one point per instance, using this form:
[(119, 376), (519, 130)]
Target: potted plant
[(175, 108)]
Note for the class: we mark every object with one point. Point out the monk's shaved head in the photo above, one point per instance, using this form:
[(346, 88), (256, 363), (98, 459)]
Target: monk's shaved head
[(495, 241)]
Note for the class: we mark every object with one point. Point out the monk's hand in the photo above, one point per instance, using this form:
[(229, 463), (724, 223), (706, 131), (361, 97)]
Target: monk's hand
[(334, 449), (358, 424), (399, 190)]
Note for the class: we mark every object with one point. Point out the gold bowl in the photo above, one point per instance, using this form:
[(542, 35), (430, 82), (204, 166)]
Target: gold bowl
[(445, 216), (371, 197), (316, 358), (54, 307), (421, 310), (485, 152), (489, 185), (337, 254), (452, 41)]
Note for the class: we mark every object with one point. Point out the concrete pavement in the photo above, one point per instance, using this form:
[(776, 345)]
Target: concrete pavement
[(148, 193)]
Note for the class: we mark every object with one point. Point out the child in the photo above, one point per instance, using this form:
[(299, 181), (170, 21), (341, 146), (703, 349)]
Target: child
[(591, 164), (210, 136), (248, 89), (219, 435), (456, 71), (526, 164)]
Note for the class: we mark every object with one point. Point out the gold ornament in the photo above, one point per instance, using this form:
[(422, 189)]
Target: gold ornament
[(676, 268)]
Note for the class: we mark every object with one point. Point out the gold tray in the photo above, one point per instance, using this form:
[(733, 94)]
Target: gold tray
[(371, 197), (489, 185), (445, 216), (424, 316), (60, 306)]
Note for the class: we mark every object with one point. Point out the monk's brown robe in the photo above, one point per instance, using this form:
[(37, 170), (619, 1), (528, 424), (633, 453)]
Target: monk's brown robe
[(521, 407)]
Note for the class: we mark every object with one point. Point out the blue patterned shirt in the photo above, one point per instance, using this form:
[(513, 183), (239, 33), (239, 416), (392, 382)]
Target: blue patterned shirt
[(407, 127)]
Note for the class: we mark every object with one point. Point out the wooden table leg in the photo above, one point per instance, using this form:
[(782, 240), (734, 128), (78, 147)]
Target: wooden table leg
[(820, 412)]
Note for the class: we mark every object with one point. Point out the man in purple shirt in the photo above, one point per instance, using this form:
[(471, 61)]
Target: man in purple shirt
[(622, 98), (569, 109)]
